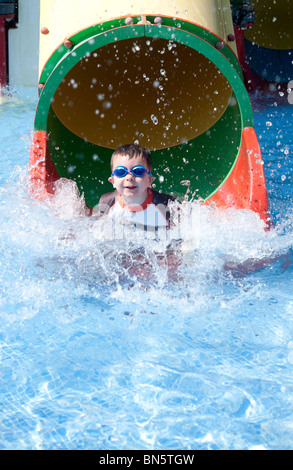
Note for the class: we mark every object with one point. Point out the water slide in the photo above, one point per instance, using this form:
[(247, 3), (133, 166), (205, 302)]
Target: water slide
[(264, 33), (165, 75)]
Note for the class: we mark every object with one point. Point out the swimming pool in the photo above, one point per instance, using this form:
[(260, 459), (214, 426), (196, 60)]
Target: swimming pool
[(92, 357)]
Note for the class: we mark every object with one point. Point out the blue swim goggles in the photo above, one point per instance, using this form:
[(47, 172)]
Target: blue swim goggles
[(137, 171)]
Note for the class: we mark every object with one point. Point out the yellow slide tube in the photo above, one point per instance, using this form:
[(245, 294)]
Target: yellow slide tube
[(63, 18)]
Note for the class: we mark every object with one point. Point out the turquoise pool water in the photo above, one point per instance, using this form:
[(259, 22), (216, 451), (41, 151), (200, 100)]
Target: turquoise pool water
[(94, 355)]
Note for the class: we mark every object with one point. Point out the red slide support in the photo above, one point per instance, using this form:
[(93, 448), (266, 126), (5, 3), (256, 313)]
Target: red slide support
[(8, 13)]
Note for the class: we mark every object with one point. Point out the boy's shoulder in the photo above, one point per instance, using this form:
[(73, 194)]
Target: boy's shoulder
[(106, 201), (109, 198), (158, 198), (161, 198)]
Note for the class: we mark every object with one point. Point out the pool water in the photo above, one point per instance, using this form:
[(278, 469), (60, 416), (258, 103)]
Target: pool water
[(105, 346)]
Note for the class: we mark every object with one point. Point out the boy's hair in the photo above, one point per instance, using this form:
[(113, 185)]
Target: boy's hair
[(132, 151)]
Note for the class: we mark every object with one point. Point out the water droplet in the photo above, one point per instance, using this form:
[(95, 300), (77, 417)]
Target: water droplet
[(135, 48), (107, 104), (71, 168)]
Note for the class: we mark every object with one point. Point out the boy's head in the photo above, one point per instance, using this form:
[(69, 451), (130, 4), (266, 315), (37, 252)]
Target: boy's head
[(133, 189)]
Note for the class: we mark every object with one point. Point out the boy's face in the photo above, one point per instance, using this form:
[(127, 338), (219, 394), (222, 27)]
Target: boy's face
[(132, 189)]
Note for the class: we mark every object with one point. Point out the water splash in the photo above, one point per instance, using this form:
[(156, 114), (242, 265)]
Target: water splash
[(203, 243)]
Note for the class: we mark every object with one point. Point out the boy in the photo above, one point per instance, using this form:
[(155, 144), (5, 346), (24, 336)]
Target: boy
[(133, 200)]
